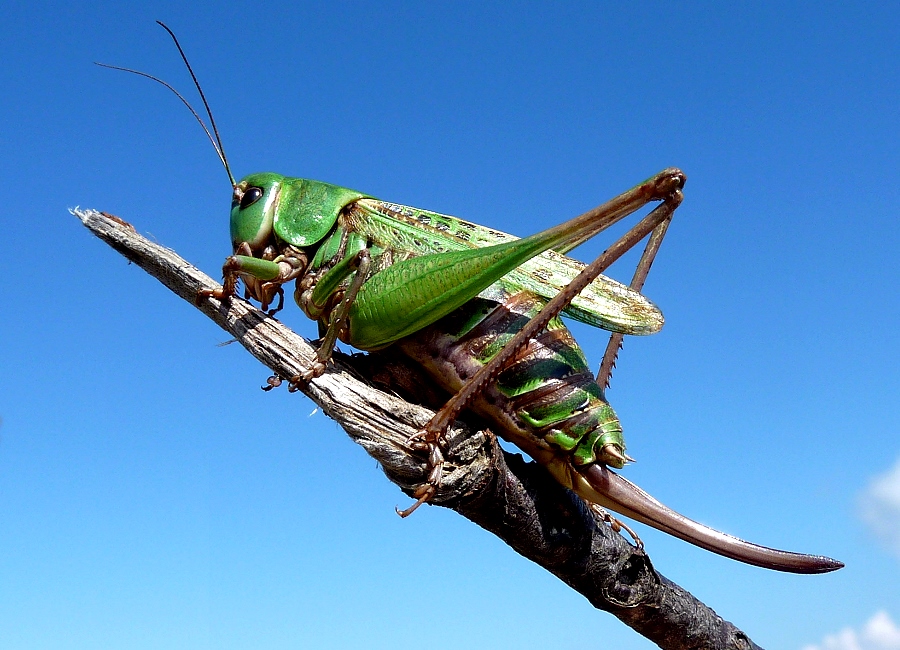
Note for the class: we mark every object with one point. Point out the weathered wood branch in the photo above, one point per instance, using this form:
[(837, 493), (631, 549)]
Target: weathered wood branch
[(516, 500)]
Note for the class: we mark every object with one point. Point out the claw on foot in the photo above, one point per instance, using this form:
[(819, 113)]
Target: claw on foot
[(272, 382), (420, 441), (417, 440), (423, 493), (299, 381), (617, 524), (218, 294)]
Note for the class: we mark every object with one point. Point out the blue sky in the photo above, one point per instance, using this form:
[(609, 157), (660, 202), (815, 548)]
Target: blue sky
[(152, 496)]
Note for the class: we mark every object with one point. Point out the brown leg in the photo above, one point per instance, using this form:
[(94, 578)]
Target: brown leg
[(666, 186), (637, 283), (362, 261)]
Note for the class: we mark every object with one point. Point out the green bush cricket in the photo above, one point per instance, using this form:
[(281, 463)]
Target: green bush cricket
[(479, 310)]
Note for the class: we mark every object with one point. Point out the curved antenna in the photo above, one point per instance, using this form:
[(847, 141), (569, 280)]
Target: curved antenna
[(185, 102), (212, 120), (217, 141)]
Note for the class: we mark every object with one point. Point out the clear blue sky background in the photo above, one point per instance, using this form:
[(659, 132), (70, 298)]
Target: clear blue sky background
[(152, 496)]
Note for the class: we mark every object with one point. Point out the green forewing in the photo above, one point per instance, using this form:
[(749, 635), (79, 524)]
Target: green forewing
[(604, 303)]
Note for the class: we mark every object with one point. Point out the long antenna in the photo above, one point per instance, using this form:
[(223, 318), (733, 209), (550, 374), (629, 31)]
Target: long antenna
[(217, 141), (212, 120)]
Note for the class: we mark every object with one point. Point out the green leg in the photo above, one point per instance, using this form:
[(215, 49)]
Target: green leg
[(263, 278), (358, 266)]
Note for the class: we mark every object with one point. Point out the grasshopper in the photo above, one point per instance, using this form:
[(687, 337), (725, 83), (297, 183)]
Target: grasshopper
[(479, 310)]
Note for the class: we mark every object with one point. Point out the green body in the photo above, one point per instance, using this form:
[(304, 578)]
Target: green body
[(462, 300), (450, 293)]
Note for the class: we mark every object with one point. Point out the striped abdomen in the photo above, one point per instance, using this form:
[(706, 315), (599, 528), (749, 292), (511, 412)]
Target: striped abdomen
[(545, 398)]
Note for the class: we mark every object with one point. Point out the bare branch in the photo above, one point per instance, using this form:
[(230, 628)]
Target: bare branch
[(516, 500)]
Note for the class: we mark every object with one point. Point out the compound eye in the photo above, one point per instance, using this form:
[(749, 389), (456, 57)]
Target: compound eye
[(251, 196)]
